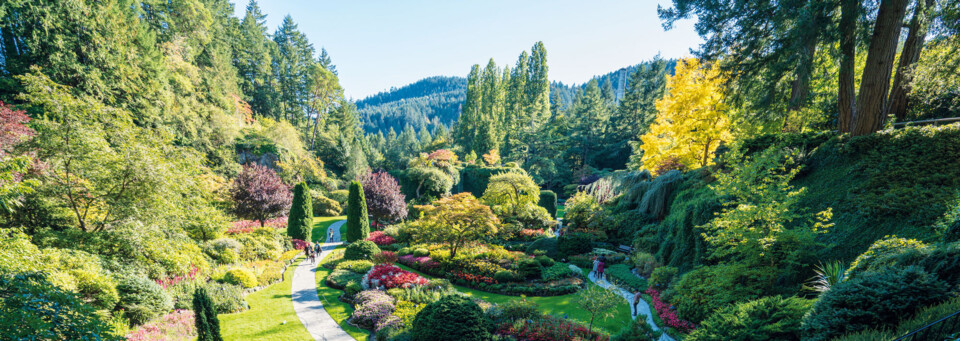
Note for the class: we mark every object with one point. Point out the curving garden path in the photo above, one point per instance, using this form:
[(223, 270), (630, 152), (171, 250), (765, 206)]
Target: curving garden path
[(307, 303), (642, 308)]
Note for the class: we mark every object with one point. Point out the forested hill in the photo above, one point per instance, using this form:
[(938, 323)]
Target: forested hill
[(429, 101), (434, 100)]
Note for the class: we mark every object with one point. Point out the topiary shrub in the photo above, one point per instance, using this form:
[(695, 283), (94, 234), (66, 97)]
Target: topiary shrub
[(768, 318), (505, 276), (574, 244), (358, 223), (545, 261), (300, 218), (142, 300), (548, 200), (873, 299), (451, 318), (362, 249), (662, 277), (546, 245), (242, 277), (529, 269)]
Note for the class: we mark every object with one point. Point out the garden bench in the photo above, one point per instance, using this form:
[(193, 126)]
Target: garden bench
[(624, 249)]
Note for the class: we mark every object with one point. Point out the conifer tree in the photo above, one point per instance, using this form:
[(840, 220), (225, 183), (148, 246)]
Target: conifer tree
[(205, 317), (358, 223), (300, 219)]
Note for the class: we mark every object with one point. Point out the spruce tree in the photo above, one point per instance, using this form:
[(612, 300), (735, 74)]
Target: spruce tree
[(358, 224), (300, 219), (205, 317)]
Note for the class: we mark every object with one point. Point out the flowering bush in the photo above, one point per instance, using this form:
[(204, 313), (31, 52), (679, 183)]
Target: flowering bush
[(385, 257), (372, 307), (167, 281), (391, 321), (299, 244), (246, 226), (668, 315), (531, 234), (380, 238), (178, 325), (471, 278), (420, 263), (389, 276), (549, 328)]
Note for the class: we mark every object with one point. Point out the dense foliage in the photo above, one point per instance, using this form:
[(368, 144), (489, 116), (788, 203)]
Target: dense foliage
[(358, 223), (451, 317), (300, 218)]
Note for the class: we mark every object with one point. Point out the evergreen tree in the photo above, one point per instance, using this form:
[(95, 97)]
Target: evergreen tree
[(205, 317), (471, 114), (300, 219), (358, 223), (291, 68), (326, 62), (591, 114), (253, 53), (538, 86)]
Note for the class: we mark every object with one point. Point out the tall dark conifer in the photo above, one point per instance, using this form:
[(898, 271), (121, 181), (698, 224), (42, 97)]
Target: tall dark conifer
[(205, 317), (358, 223), (300, 219)]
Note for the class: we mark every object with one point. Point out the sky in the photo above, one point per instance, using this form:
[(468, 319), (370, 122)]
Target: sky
[(379, 44)]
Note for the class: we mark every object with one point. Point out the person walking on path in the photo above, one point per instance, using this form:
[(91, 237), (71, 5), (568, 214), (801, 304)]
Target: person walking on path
[(596, 263), (636, 300), (600, 266), (330, 240), (316, 247)]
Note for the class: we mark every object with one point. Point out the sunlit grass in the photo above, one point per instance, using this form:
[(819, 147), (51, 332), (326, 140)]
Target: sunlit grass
[(269, 308), (340, 311)]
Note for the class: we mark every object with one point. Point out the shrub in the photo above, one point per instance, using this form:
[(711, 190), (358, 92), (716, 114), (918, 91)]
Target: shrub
[(385, 257), (545, 261), (363, 249), (300, 218), (505, 276), (227, 298), (701, 291), (53, 313), (451, 318), (768, 318), (205, 317), (325, 207), (873, 299), (358, 223), (357, 266), (340, 196), (548, 200), (242, 277), (421, 252), (645, 263), (270, 273), (546, 327), (353, 288), (881, 248), (142, 299), (407, 311), (529, 269), (663, 276), (380, 238), (621, 274), (574, 244), (339, 279), (372, 307), (223, 250), (580, 209), (557, 271), (513, 310), (638, 330), (546, 245)]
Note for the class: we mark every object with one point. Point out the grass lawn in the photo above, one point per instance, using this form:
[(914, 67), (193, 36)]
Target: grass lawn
[(320, 225), (338, 310), (269, 308), (555, 305)]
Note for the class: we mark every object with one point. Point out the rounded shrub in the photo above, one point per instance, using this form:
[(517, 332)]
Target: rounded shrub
[(701, 291), (452, 317), (768, 318), (545, 261), (873, 299), (142, 299), (421, 252), (241, 276), (227, 298), (574, 244), (325, 207), (529, 269), (505, 276), (361, 249), (546, 245), (357, 266), (223, 250), (662, 277), (548, 200)]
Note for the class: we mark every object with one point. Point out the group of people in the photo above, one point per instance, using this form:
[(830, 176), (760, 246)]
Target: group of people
[(599, 264), (312, 251)]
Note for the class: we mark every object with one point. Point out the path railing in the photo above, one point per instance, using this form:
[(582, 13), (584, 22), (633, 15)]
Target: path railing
[(942, 329), (937, 121)]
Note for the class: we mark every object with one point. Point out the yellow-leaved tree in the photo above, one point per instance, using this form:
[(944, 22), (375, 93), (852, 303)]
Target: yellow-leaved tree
[(692, 119)]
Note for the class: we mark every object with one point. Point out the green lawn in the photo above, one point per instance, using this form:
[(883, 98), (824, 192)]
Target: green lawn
[(269, 309), (320, 225), (555, 305), (338, 310)]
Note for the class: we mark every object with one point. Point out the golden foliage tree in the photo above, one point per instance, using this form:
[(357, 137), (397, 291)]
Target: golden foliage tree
[(692, 119), (456, 220)]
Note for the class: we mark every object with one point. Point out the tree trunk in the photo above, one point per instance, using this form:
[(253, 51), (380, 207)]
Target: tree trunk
[(897, 104), (800, 86), (875, 82), (846, 95)]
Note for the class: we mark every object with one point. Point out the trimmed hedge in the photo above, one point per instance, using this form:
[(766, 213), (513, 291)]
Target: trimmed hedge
[(621, 275), (363, 249), (548, 200)]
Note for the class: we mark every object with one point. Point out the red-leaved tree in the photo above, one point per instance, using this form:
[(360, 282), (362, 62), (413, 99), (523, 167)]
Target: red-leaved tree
[(259, 194), (385, 202)]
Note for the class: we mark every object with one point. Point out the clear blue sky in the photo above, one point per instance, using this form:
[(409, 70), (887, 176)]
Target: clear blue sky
[(377, 44)]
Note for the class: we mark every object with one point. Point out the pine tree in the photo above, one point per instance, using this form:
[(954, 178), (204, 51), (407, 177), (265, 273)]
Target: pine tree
[(300, 219), (472, 110), (358, 223), (253, 59), (291, 67), (538, 86), (205, 317)]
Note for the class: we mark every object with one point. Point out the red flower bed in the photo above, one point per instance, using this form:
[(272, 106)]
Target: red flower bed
[(549, 328), (385, 257), (379, 238), (390, 276), (668, 315), (472, 278), (424, 263), (299, 244)]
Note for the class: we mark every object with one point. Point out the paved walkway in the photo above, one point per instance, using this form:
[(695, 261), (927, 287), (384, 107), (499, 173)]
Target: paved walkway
[(307, 303), (643, 308)]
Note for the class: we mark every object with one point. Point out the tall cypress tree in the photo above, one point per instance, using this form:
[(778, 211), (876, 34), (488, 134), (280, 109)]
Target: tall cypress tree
[(300, 219), (205, 317), (358, 224)]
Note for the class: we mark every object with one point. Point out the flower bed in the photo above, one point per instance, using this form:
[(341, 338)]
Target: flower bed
[(299, 244), (483, 282), (548, 328), (380, 238), (667, 314), (389, 276), (178, 325), (372, 306)]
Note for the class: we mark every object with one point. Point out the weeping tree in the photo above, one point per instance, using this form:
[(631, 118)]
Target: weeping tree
[(300, 219), (358, 224)]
